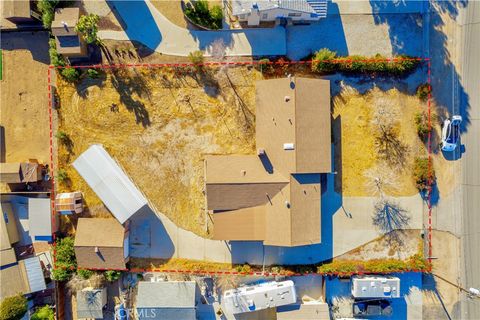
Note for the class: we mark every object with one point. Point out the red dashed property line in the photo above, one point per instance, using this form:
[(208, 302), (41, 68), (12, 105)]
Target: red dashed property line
[(239, 63), (430, 182)]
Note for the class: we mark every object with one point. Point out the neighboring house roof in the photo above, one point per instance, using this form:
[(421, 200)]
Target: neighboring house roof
[(90, 303), (16, 9), (105, 235), (285, 179), (40, 219), (65, 21), (17, 172), (22, 277), (109, 182), (169, 299), (242, 6), (9, 231)]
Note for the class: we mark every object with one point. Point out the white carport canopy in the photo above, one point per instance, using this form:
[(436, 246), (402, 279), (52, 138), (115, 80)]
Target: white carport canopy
[(109, 182)]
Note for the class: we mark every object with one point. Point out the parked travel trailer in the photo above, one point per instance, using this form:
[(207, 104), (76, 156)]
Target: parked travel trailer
[(375, 287), (258, 297)]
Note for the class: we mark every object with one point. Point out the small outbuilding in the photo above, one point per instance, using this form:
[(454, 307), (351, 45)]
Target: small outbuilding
[(69, 42), (109, 182), (90, 303), (101, 243), (20, 172), (41, 221), (166, 300), (69, 203), (375, 287), (20, 11)]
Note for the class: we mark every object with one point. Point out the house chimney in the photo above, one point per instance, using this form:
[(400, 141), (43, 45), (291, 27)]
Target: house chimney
[(260, 152)]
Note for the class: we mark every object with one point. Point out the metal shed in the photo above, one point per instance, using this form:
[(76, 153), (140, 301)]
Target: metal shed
[(109, 182), (40, 219), (375, 287)]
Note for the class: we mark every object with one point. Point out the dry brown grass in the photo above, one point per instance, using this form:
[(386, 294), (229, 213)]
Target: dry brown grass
[(177, 264), (358, 151), (172, 10), (158, 124)]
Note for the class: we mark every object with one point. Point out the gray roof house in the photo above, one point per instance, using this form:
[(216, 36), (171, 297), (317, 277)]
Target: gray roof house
[(166, 300), (90, 303), (254, 12)]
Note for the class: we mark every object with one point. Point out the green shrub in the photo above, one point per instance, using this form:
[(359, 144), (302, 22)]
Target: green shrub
[(422, 173), (112, 275), (423, 91), (47, 9), (62, 136), (62, 175), (322, 61), (385, 265), (340, 266), (200, 14), (13, 308), (88, 26), (65, 261), (70, 74), (92, 73), (43, 313), (243, 268), (421, 123), (265, 66), (196, 57), (55, 59), (84, 273), (418, 262)]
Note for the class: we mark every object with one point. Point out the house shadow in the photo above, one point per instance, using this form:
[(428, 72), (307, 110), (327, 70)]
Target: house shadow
[(305, 40), (148, 236), (137, 22), (35, 42)]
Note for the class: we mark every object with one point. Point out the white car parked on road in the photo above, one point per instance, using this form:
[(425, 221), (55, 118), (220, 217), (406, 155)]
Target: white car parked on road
[(451, 133)]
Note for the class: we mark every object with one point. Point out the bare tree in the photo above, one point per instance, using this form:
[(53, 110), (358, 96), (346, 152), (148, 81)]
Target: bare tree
[(385, 125), (381, 180)]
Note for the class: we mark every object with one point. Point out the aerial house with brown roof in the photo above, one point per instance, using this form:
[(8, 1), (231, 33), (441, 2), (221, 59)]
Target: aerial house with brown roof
[(101, 243), (275, 196), (69, 42)]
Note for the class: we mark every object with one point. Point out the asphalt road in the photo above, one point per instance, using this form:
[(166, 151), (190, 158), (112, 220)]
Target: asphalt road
[(469, 54)]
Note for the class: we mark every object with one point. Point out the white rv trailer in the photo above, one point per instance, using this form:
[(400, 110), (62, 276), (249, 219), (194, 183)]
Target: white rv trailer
[(258, 297), (375, 287)]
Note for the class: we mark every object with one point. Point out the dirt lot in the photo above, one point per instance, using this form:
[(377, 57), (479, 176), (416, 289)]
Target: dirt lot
[(158, 124), (172, 10), (24, 100)]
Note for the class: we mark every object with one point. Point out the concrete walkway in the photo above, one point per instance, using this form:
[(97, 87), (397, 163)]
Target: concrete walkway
[(144, 23), (346, 224)]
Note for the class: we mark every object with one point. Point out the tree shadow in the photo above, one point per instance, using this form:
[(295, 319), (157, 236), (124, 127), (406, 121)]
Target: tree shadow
[(129, 84), (389, 216)]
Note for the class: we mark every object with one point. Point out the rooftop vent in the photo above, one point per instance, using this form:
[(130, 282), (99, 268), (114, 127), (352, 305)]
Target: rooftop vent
[(97, 250), (287, 98), (244, 172), (288, 146), (260, 152)]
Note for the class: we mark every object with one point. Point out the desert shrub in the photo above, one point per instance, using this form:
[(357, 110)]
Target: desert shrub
[(88, 26), (421, 123), (62, 136), (385, 265), (112, 275), (92, 73), (265, 66), (13, 308), (70, 74), (200, 13), (423, 91), (84, 273), (65, 261), (55, 59), (418, 262), (322, 61), (47, 9), (62, 175), (423, 175), (340, 266), (196, 57), (243, 268), (43, 313)]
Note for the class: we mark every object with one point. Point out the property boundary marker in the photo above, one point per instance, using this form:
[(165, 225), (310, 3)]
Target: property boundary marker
[(244, 63)]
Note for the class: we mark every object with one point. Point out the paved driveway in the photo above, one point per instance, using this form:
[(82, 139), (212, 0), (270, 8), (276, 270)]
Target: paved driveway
[(144, 23)]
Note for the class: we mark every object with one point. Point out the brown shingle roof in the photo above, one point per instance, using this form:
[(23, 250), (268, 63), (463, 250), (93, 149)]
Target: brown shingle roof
[(105, 234), (297, 112)]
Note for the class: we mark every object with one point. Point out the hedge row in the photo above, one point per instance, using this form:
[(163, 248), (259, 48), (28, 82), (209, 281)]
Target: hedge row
[(349, 267), (325, 61)]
